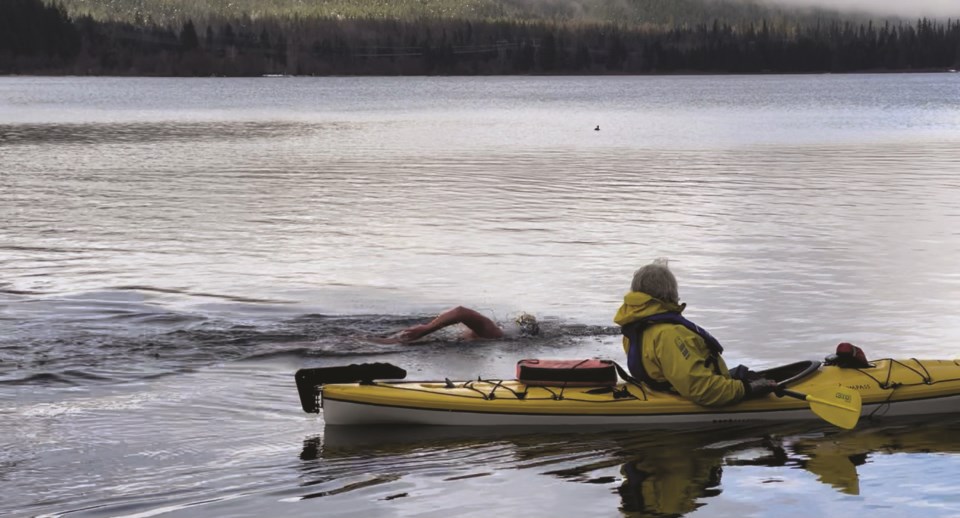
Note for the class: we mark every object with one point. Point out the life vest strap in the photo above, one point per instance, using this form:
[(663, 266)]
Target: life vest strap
[(634, 333)]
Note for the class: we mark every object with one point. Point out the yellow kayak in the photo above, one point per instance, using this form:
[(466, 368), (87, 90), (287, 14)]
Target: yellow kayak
[(887, 387)]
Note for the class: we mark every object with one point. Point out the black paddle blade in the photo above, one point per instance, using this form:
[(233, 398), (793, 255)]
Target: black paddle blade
[(308, 380)]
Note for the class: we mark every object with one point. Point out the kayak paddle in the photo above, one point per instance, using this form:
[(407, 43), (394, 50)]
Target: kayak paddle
[(840, 406)]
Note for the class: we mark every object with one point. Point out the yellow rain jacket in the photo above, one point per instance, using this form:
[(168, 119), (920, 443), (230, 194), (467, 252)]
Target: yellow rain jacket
[(677, 355)]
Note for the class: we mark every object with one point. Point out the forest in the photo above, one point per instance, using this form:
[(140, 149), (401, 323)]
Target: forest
[(42, 38), (630, 12)]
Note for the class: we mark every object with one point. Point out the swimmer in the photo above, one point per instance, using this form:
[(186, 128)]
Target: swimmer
[(477, 327)]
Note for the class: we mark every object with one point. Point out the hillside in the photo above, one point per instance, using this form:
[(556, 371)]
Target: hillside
[(625, 12), (687, 36)]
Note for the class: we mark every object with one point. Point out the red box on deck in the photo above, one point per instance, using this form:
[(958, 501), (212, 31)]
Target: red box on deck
[(567, 373)]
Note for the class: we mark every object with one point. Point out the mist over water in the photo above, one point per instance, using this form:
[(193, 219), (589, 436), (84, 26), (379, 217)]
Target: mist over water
[(174, 249), (921, 8)]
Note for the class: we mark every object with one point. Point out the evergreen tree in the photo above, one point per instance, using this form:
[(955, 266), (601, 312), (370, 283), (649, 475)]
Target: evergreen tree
[(188, 37)]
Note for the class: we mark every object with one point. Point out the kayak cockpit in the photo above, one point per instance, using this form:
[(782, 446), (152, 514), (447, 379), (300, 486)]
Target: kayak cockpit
[(787, 375)]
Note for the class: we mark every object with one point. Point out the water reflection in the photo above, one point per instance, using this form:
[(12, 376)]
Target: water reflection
[(149, 132), (673, 480), (835, 459), (653, 473)]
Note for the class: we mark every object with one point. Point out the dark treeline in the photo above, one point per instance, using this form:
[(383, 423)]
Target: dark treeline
[(36, 38)]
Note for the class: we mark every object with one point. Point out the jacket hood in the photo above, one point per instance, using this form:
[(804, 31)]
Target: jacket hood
[(637, 305)]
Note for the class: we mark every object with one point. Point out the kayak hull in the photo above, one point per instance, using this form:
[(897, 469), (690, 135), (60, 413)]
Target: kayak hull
[(352, 413), (887, 388)]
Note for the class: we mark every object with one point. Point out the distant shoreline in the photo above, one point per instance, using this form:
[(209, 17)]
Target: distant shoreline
[(45, 40), (649, 74)]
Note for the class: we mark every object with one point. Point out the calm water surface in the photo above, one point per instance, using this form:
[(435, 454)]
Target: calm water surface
[(172, 250)]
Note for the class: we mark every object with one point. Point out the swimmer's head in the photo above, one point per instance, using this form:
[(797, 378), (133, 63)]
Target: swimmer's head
[(528, 324)]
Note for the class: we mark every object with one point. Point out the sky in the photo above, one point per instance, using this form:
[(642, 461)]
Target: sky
[(909, 8)]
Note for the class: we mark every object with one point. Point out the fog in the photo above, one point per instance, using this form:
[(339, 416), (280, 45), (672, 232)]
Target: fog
[(912, 8)]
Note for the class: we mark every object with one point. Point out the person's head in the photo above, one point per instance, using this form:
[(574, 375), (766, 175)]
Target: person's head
[(528, 324), (656, 280)]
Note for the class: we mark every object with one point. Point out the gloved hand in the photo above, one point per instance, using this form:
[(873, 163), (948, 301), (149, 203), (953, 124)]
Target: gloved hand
[(758, 388)]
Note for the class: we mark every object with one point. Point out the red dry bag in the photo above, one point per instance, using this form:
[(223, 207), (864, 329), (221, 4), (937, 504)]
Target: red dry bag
[(567, 373)]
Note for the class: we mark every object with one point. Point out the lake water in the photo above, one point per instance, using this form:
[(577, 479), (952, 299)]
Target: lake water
[(172, 250)]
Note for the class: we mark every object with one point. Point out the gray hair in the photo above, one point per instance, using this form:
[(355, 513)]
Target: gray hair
[(656, 280)]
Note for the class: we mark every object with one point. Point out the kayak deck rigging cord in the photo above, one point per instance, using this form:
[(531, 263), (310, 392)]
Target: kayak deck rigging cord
[(622, 391), (925, 377)]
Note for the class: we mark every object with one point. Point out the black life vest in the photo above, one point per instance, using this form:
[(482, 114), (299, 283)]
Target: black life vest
[(634, 333)]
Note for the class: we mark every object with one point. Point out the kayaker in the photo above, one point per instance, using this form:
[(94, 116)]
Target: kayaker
[(477, 326), (668, 352)]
